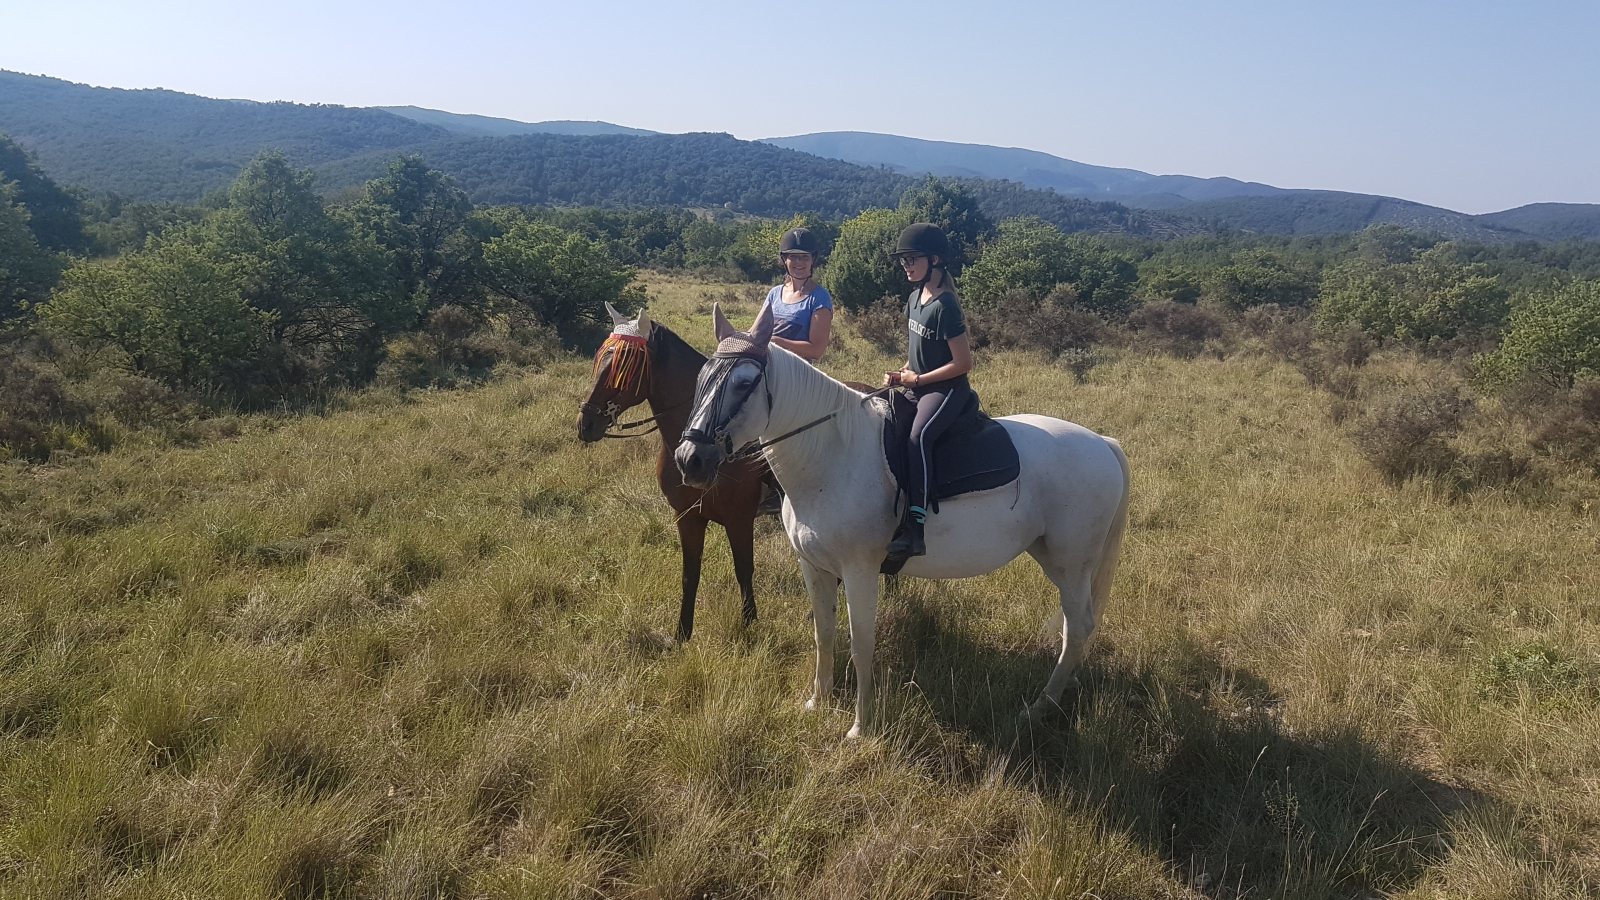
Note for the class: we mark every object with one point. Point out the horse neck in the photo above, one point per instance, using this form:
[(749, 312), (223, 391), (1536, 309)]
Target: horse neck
[(802, 395), (674, 369)]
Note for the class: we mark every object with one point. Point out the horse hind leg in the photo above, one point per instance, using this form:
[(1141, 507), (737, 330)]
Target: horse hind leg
[(1078, 620)]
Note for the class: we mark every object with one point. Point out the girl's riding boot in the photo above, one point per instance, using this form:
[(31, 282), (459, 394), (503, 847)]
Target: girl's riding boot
[(908, 537)]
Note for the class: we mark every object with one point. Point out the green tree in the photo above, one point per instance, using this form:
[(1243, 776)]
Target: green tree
[(1432, 298), (332, 293), (563, 279), (949, 205), (1259, 276), (26, 271), (757, 250), (417, 214), (174, 312), (1030, 255), (1552, 335), (859, 272)]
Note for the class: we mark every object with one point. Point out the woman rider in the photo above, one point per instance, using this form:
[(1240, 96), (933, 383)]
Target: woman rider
[(803, 317), (803, 309), (935, 374)]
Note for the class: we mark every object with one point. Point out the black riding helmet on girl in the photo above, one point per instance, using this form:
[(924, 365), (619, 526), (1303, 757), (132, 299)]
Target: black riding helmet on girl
[(925, 238)]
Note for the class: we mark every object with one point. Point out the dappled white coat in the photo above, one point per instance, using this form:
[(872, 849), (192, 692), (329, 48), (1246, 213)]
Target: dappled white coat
[(1068, 510)]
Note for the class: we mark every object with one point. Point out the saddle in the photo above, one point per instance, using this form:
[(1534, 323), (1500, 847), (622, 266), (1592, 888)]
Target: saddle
[(974, 454)]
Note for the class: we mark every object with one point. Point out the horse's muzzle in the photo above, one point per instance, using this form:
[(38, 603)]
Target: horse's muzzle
[(698, 461), (591, 426)]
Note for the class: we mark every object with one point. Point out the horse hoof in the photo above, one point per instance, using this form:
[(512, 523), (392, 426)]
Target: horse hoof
[(854, 733), (811, 705), (1034, 717)]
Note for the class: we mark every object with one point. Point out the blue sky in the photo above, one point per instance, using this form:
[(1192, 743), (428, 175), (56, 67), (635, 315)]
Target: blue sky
[(1469, 105)]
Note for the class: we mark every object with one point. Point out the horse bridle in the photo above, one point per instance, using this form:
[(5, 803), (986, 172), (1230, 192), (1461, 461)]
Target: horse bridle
[(721, 437), (717, 371), (612, 412)]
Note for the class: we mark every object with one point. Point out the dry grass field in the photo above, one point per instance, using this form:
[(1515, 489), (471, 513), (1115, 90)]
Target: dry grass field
[(416, 647)]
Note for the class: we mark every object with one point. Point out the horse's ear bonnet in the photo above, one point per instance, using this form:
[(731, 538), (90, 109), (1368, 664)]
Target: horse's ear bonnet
[(753, 345), (621, 324), (725, 328)]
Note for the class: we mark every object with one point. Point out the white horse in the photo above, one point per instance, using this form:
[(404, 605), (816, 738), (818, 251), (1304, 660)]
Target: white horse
[(1068, 512)]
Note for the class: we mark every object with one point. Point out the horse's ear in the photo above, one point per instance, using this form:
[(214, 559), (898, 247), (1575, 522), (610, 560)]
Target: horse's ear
[(724, 327), (616, 317), (761, 331), (644, 324)]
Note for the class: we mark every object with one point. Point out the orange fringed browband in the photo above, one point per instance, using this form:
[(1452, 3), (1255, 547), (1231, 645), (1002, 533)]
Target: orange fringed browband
[(630, 361)]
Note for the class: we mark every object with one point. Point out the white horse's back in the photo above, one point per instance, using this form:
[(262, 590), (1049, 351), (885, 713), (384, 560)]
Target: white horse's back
[(1068, 491)]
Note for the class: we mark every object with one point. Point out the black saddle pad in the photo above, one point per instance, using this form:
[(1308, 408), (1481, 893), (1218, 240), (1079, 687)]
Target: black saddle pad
[(974, 454)]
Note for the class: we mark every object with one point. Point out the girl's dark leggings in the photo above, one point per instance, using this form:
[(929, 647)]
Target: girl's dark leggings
[(936, 409)]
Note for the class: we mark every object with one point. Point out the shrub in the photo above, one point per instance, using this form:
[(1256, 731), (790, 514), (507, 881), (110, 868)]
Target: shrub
[(883, 325), (1016, 320), (1431, 301), (859, 272), (173, 313), (456, 347), (562, 279), (1176, 327), (1255, 277), (1029, 254), (1553, 336), (1568, 427), (31, 399), (1407, 435), (1537, 668)]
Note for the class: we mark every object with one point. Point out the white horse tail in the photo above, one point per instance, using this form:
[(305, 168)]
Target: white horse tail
[(1100, 585)]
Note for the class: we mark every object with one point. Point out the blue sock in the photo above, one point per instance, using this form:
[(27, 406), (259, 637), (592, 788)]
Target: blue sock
[(920, 514)]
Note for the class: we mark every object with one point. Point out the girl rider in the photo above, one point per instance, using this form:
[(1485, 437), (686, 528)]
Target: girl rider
[(803, 309), (935, 374)]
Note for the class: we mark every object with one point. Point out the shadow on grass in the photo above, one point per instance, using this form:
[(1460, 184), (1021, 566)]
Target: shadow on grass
[(1187, 756)]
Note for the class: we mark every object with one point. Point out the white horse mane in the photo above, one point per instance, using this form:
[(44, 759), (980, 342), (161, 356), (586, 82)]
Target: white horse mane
[(802, 393)]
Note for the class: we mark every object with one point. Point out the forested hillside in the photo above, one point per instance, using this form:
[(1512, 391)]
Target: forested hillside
[(697, 170), (163, 145), (159, 145)]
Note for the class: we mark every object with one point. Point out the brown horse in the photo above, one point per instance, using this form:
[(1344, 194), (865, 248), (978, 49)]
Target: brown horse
[(643, 362)]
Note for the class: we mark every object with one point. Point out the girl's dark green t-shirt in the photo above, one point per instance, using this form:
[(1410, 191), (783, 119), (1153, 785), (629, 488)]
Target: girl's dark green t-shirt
[(932, 325)]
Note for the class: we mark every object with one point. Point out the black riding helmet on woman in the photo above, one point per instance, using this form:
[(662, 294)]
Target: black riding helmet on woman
[(935, 373), (802, 308)]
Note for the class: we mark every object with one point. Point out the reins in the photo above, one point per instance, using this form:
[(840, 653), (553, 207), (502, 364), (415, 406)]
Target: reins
[(761, 446)]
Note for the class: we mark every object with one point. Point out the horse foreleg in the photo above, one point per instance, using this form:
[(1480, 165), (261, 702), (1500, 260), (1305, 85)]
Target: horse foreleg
[(861, 596), (824, 590), (741, 539), (692, 538)]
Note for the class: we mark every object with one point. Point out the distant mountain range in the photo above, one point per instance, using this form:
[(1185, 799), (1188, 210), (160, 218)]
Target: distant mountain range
[(1226, 202), (488, 126), (911, 156), (164, 145)]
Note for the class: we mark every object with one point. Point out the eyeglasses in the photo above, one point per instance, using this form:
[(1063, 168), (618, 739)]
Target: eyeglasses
[(911, 259)]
